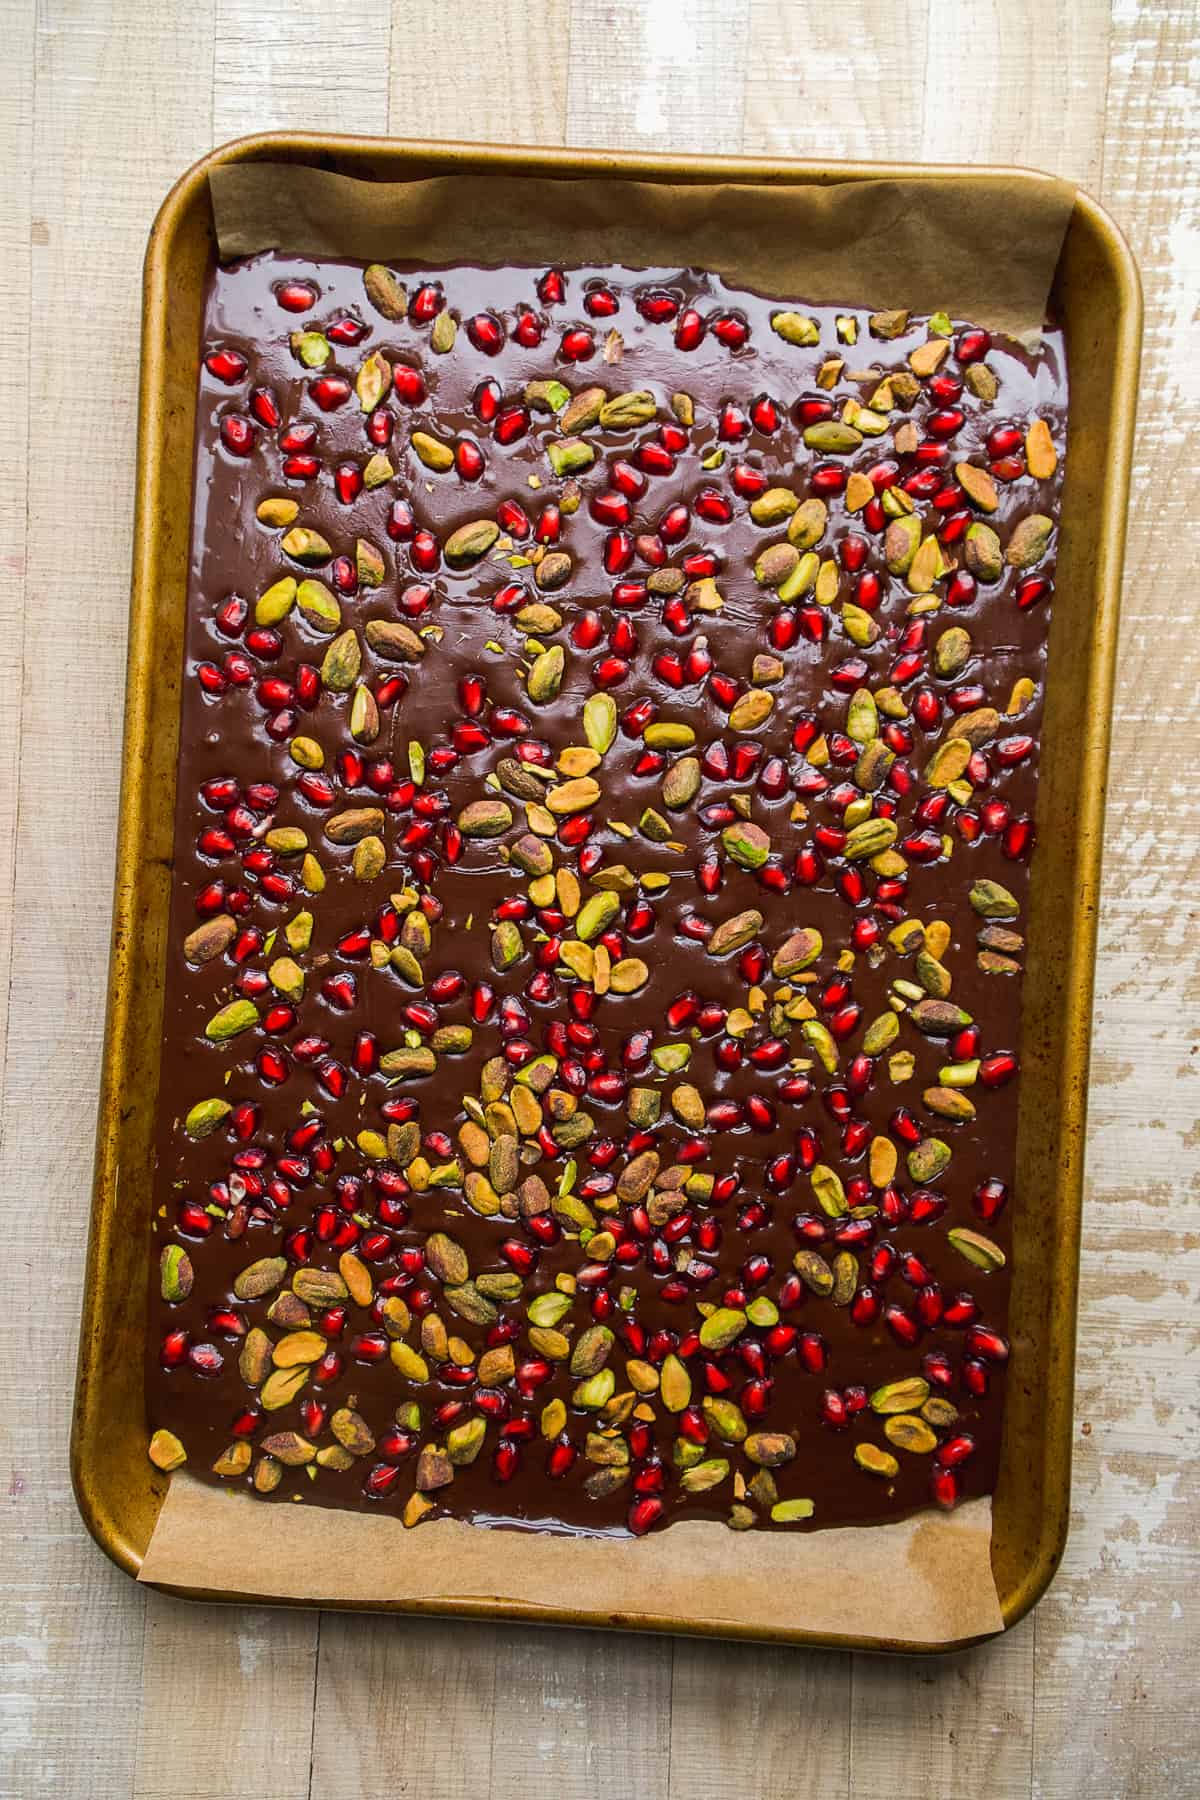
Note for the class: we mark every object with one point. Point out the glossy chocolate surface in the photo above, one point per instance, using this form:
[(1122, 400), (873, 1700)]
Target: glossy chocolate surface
[(224, 734)]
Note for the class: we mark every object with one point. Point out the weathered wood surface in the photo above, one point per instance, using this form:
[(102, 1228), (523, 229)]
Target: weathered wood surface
[(106, 1691)]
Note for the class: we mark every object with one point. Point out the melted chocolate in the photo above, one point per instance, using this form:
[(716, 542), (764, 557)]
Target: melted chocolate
[(225, 736)]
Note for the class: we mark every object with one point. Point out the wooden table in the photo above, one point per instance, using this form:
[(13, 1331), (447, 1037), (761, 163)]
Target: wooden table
[(111, 1691)]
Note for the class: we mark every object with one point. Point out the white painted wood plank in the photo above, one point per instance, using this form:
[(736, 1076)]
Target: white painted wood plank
[(486, 74), (750, 1720), (121, 105), (279, 65), (658, 75), (844, 80), (1118, 1645)]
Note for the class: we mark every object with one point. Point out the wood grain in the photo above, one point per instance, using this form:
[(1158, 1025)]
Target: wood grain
[(73, 1680), (1116, 1636), (16, 196), (277, 66), (495, 73), (107, 1692)]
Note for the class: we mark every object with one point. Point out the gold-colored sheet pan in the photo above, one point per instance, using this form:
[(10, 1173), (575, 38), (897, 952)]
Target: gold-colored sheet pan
[(1096, 294)]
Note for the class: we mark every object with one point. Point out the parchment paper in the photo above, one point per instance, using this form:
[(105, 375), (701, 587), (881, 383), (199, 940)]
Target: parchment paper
[(925, 1580), (986, 252)]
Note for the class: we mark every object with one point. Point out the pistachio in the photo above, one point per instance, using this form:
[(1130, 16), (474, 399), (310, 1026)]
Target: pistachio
[(1041, 458), (948, 762), (205, 1117), (774, 564), (952, 652), (319, 606), (276, 602), (770, 1449), (545, 675), (983, 554), (231, 1021), (377, 471), (355, 823), (546, 396), (210, 939), (553, 570), (403, 1064), (485, 819), (675, 1384), (624, 411), (373, 380), (384, 292), (992, 901), (869, 838), (938, 1018), (791, 1512), (304, 546), (907, 1432), (832, 438), (876, 1461), (830, 1194), (166, 1451), (312, 348), (447, 1258), (813, 1271), (276, 510), (1029, 540), (600, 722), (681, 783), (976, 1248), (175, 1273), (900, 1396), (469, 542), (795, 328), (254, 1360), (900, 544), (807, 525), (722, 1328), (435, 455), (747, 845), (797, 952), (281, 1387), (583, 411), (751, 709), (734, 933), (725, 1418), (364, 716), (773, 507), (342, 662), (444, 333), (978, 486)]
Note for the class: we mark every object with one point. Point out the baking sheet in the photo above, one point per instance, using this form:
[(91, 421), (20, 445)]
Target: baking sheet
[(924, 244), (927, 1579), (986, 252)]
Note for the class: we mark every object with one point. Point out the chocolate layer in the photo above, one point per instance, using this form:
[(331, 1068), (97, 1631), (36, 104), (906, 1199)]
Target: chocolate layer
[(225, 735)]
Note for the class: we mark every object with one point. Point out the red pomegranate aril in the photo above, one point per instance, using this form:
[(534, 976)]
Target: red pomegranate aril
[(348, 482), (511, 425), (689, 330), (468, 460), (530, 328), (238, 435), (552, 287), (577, 345), (997, 1069), (731, 330), (226, 365), (296, 296), (749, 482), (330, 391)]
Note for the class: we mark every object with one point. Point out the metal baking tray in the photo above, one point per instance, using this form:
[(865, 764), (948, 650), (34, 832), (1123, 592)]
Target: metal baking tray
[(1097, 296)]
